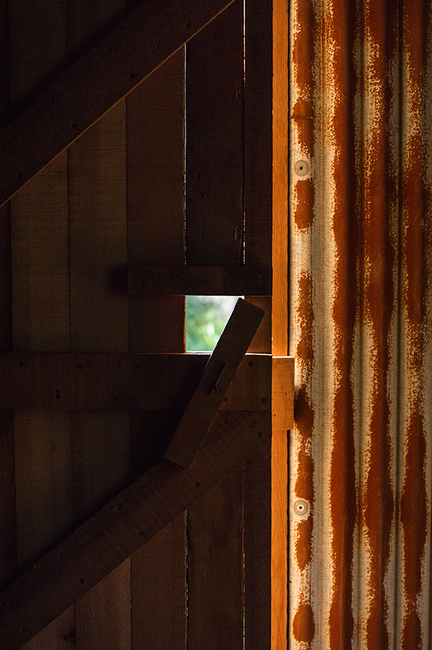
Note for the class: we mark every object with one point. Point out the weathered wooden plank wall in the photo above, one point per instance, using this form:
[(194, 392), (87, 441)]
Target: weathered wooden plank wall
[(156, 232), (118, 196)]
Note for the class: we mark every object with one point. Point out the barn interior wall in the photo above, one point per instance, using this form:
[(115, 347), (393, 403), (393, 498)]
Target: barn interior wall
[(117, 196)]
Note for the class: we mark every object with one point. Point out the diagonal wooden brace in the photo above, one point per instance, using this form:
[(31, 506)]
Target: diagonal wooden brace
[(215, 381)]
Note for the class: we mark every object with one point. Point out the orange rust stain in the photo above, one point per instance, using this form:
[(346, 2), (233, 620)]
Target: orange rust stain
[(380, 192), (303, 108), (343, 504), (304, 486), (412, 637), (304, 198), (414, 516), (304, 542), (303, 415), (303, 624), (305, 350), (303, 47), (417, 257), (302, 114)]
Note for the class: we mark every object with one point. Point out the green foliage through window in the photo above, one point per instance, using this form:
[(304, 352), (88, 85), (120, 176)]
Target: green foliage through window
[(206, 316)]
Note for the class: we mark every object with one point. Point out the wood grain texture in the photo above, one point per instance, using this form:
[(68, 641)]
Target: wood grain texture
[(7, 499), (116, 381), (215, 561), (262, 341), (133, 517), (282, 393), (40, 259), (103, 614), (257, 521), (99, 322), (257, 551), (156, 201), (98, 234), (214, 235), (7, 454), (214, 146), (156, 324), (40, 306), (96, 81), (161, 566), (258, 132), (214, 383), (279, 503)]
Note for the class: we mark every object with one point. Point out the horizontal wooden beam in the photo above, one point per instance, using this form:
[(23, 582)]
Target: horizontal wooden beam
[(95, 82), (117, 381), (96, 548), (214, 383), (246, 280)]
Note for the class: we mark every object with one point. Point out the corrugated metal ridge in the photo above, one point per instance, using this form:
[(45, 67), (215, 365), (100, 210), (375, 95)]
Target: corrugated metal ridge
[(360, 129)]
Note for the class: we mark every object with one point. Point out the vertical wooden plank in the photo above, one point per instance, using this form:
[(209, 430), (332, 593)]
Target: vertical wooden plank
[(97, 199), (39, 222), (40, 289), (7, 458), (214, 235), (214, 144), (215, 556), (258, 132), (99, 322), (156, 200), (158, 590), (279, 455), (156, 324), (41, 322)]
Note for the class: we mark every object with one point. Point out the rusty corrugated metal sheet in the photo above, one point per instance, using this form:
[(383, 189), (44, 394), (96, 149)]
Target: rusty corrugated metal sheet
[(361, 178)]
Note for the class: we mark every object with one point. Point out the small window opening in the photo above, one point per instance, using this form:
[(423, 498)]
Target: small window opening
[(206, 317)]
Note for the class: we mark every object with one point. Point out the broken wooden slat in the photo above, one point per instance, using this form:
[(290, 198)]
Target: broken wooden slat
[(116, 381), (96, 81), (199, 280), (214, 383), (97, 547)]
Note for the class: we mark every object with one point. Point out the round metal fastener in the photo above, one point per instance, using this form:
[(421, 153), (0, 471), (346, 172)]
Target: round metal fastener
[(301, 167), (301, 507)]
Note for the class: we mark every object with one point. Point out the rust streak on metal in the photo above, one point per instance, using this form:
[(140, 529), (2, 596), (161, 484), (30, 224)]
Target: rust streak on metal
[(305, 350), (304, 200), (413, 505), (303, 624), (343, 505), (303, 48), (417, 258), (379, 304), (303, 113)]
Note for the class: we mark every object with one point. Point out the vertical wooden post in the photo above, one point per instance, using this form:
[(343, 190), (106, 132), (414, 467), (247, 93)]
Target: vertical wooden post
[(279, 560)]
